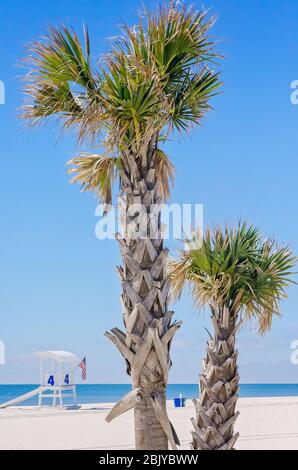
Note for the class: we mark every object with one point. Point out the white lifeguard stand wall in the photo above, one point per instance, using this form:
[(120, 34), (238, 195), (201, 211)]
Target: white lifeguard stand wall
[(56, 376)]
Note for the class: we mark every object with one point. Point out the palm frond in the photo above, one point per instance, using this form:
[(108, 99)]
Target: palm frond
[(183, 53), (157, 78), (165, 173), (95, 173), (180, 273), (132, 98), (237, 269), (191, 99), (61, 82), (179, 40)]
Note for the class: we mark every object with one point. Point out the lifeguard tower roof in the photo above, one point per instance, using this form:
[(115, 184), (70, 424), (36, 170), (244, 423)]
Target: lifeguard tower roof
[(61, 356)]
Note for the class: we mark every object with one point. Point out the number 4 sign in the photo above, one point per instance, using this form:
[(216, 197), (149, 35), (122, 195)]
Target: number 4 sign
[(51, 380)]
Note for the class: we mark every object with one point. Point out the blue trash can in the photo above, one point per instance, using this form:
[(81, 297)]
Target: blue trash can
[(179, 402)]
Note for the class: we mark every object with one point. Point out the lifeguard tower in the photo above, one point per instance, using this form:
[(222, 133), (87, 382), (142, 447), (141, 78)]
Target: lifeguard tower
[(56, 376), (56, 379)]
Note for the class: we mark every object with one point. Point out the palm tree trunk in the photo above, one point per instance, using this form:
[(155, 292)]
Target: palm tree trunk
[(149, 433), (215, 410), (149, 331)]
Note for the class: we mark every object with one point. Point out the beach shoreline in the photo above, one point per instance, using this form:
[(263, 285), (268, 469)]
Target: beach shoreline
[(264, 423)]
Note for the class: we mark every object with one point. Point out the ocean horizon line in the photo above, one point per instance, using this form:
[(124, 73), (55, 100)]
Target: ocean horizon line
[(127, 383), (110, 393)]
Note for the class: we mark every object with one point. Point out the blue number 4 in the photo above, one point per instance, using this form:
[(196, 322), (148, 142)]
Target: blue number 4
[(66, 380), (51, 380)]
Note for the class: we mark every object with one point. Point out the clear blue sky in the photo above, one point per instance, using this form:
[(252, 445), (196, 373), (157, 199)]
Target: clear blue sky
[(58, 285)]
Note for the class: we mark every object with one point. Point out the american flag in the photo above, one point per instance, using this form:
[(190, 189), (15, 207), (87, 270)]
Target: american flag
[(83, 366)]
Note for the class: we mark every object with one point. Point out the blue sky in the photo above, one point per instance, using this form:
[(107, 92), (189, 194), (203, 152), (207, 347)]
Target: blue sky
[(58, 285)]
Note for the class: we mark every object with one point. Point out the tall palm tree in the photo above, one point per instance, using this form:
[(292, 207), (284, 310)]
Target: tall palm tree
[(241, 277), (158, 78)]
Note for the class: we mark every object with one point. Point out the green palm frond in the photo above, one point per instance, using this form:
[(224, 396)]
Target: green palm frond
[(236, 268), (95, 173), (183, 53), (175, 44), (132, 98), (179, 40), (61, 82), (157, 78), (191, 99)]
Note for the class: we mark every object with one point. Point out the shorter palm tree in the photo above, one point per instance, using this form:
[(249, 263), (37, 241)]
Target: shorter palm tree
[(241, 277)]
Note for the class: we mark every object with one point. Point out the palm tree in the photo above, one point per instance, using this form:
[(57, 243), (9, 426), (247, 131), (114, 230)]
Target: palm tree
[(158, 78), (241, 277)]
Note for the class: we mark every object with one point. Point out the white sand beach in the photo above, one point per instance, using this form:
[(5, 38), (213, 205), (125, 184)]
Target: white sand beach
[(264, 423)]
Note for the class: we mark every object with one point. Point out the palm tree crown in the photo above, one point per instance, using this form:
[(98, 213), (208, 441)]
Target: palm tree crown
[(157, 78), (235, 268)]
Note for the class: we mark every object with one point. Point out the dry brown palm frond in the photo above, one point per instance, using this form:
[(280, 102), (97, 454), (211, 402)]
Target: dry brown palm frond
[(165, 173), (180, 272), (95, 173)]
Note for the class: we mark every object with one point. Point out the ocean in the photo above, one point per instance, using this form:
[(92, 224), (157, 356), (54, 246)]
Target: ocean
[(104, 393)]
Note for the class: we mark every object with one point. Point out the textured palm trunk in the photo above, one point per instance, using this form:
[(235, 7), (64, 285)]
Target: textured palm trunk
[(149, 331), (149, 433), (215, 410)]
